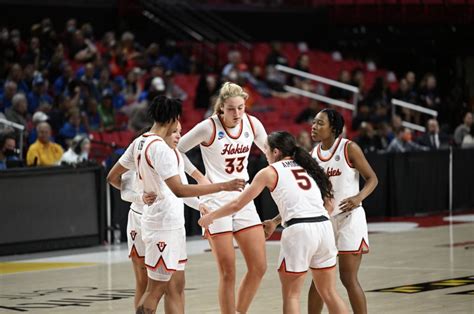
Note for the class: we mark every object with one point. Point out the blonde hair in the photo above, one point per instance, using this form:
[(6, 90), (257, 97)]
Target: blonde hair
[(228, 90)]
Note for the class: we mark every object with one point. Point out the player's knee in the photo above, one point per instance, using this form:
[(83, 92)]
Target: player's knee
[(258, 269), (349, 280)]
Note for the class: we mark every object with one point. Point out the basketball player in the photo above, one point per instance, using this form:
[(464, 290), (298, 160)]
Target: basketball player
[(343, 161), (308, 240), (225, 140)]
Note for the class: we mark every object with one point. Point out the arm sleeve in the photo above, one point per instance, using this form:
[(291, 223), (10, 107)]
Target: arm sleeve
[(201, 133), (126, 160), (128, 189), (260, 133), (189, 168), (163, 160)]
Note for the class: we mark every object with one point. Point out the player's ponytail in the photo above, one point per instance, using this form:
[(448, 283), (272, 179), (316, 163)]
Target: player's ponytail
[(304, 159), (228, 90), (163, 109), (286, 144)]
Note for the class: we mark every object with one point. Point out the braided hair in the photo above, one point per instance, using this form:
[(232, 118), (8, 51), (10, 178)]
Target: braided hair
[(163, 109)]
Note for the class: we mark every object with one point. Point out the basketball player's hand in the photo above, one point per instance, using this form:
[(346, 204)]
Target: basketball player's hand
[(349, 203), (203, 209), (269, 227), (205, 220), (148, 198), (234, 185)]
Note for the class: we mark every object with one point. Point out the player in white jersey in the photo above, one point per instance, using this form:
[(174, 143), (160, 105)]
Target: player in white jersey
[(343, 161), (308, 239), (225, 140), (163, 221)]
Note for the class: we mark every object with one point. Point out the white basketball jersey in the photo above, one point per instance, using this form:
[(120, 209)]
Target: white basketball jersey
[(129, 160), (156, 164), (336, 164), (226, 156), (296, 193)]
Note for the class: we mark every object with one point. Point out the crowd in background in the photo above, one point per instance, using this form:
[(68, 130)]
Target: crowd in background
[(62, 85)]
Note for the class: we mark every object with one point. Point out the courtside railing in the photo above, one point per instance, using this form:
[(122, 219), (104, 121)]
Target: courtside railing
[(417, 108), (325, 99)]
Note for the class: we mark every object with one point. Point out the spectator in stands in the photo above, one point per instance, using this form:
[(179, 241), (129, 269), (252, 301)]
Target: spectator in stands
[(133, 86), (10, 89), (78, 152), (74, 126), (44, 152), (428, 93), (16, 75), (7, 149), (302, 64), (463, 129), (276, 56), (118, 99), (88, 80), (468, 140), (386, 134), (18, 112), (39, 95), (411, 80), (434, 139), (61, 83), (131, 50), (103, 81), (37, 118), (379, 94), (107, 111), (235, 60), (172, 90), (308, 114), (363, 115), (82, 49), (304, 141), (339, 93), (403, 142), (404, 93), (207, 87), (368, 140), (92, 120)]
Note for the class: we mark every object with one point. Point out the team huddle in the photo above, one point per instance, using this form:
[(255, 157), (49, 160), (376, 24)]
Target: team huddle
[(317, 195)]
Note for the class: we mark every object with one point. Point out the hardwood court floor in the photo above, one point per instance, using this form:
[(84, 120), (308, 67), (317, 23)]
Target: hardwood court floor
[(405, 262)]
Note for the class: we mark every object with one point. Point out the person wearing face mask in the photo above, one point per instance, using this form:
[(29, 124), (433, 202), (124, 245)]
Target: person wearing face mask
[(404, 142), (7, 150)]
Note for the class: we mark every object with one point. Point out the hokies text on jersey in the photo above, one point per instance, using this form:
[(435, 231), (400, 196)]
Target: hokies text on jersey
[(331, 172), (229, 149)]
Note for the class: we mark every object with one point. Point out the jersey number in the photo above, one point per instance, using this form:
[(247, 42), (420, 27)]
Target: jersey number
[(302, 179), (138, 166), (230, 168)]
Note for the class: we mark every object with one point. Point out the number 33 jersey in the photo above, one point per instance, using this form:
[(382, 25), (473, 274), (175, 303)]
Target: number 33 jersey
[(295, 192), (226, 155)]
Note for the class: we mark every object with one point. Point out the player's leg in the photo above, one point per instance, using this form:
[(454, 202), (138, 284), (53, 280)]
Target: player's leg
[(252, 245), (223, 250), (348, 269), (291, 285), (152, 296), (174, 295), (315, 302), (325, 281), (141, 278)]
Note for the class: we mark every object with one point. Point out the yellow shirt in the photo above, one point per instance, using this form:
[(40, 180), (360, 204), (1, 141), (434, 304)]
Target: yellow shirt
[(45, 154)]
